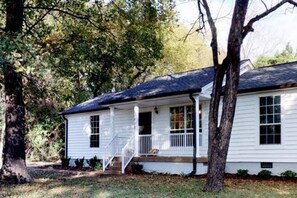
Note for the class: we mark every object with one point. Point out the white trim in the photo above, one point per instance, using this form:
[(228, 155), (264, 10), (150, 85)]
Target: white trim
[(197, 125), (112, 122), (136, 128)]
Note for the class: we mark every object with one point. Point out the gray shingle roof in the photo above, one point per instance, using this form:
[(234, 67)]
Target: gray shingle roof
[(270, 77), (264, 78), (187, 82), (89, 105)]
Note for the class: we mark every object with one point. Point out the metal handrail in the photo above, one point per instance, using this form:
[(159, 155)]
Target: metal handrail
[(128, 153)]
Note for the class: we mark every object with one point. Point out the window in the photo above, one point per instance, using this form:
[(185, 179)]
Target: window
[(270, 120), (266, 165), (95, 135), (181, 124)]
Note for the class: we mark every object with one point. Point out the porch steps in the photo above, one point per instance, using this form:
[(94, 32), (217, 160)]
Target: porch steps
[(115, 167)]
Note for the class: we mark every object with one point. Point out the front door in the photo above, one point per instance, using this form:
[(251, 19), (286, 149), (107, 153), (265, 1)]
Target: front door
[(145, 133)]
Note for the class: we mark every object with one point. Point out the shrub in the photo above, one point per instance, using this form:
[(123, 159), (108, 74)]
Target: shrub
[(95, 163), (137, 168), (242, 172), (264, 174), (65, 161), (79, 163), (288, 174)]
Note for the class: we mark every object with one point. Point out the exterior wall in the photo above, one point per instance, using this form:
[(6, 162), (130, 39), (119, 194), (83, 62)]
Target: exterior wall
[(173, 168), (244, 144), (79, 130)]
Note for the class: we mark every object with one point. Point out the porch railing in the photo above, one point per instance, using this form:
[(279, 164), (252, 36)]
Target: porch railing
[(128, 153), (112, 149), (145, 144), (181, 140)]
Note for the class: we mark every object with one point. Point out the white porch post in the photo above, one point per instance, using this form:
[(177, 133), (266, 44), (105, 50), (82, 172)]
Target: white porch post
[(112, 133), (136, 129), (197, 124)]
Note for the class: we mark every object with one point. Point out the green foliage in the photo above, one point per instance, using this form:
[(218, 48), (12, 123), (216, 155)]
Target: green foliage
[(287, 55), (95, 163), (288, 174), (43, 144), (242, 172), (264, 174), (65, 161), (79, 163)]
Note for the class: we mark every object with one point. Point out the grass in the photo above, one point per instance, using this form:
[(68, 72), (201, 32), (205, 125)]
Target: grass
[(53, 183)]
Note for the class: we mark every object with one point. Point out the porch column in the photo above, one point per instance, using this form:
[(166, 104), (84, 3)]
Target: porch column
[(112, 133), (197, 124), (136, 129)]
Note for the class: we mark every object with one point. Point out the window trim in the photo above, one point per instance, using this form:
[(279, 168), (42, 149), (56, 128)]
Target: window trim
[(94, 134), (280, 124)]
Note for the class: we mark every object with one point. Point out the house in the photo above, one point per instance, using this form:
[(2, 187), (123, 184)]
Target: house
[(153, 123)]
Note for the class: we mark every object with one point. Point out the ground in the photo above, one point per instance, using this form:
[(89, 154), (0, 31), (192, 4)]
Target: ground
[(58, 183)]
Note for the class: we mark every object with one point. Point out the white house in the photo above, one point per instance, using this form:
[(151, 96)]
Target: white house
[(159, 115)]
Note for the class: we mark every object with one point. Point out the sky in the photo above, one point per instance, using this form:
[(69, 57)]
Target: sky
[(271, 33)]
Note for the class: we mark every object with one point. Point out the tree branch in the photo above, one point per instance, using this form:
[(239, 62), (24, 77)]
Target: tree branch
[(249, 27), (214, 41)]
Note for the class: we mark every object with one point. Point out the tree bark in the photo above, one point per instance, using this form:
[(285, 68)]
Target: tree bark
[(14, 166), (219, 135)]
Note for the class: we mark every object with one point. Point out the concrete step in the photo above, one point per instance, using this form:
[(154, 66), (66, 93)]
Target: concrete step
[(112, 172)]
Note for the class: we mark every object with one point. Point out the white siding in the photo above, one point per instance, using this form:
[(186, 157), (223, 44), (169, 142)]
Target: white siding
[(79, 135), (244, 144)]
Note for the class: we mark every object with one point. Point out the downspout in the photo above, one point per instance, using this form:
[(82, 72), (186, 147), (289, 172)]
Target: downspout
[(194, 139), (66, 136)]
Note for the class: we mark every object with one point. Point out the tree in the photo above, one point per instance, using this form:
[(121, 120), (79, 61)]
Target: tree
[(27, 42), (220, 129), (287, 55)]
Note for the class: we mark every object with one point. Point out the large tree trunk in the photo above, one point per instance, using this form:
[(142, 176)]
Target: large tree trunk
[(219, 135), (14, 167)]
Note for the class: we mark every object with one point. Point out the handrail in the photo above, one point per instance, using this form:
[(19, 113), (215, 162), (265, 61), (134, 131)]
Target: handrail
[(109, 148), (128, 153)]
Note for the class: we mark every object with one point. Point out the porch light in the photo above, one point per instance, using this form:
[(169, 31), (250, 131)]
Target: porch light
[(156, 110)]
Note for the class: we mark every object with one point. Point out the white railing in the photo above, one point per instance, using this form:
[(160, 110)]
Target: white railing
[(181, 140), (128, 153), (111, 150), (145, 144)]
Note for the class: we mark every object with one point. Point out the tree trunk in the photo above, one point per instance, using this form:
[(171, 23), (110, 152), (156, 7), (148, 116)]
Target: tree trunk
[(14, 166), (219, 135)]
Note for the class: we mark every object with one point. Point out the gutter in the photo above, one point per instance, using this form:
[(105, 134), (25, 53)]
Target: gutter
[(194, 139), (66, 136)]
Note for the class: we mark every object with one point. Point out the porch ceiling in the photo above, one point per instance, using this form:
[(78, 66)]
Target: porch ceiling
[(180, 99)]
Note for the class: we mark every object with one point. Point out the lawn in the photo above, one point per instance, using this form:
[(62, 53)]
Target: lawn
[(53, 183)]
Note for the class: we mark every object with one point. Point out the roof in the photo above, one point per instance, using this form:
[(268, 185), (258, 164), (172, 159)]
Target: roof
[(269, 77), (264, 78), (89, 105), (186, 82)]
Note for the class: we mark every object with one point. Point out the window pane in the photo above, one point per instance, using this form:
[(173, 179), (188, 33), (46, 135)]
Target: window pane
[(277, 139), (270, 129), (263, 110), (262, 101), (263, 130), (277, 119), (262, 139), (263, 119), (277, 129), (270, 119), (276, 99), (270, 139), (277, 109)]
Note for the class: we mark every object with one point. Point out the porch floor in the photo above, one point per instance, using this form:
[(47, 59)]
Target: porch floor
[(169, 159)]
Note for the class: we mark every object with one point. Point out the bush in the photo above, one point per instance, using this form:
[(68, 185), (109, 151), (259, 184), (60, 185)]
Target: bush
[(79, 163), (242, 172), (288, 174), (95, 163), (264, 174), (65, 161), (137, 168)]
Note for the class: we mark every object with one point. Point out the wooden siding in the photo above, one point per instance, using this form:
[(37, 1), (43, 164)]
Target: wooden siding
[(244, 144)]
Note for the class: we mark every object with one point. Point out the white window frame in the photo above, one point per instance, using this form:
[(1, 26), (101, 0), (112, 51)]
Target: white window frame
[(94, 129), (272, 115)]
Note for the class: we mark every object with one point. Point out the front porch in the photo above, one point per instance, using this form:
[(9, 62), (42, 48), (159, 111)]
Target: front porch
[(165, 130)]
